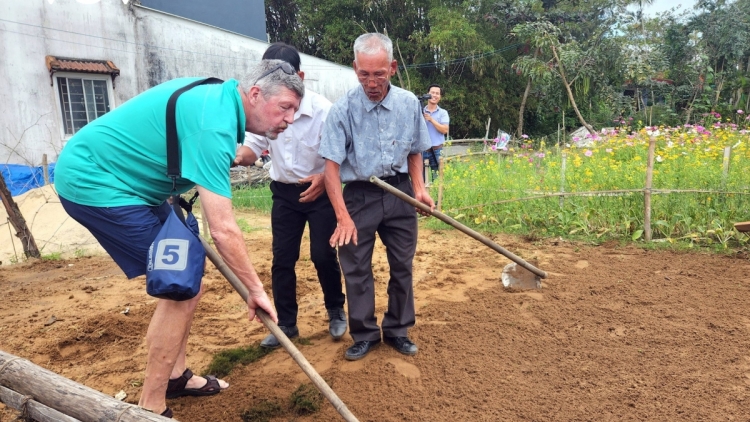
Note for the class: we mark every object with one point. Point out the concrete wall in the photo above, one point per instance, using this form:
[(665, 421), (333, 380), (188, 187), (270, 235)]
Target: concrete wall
[(149, 47)]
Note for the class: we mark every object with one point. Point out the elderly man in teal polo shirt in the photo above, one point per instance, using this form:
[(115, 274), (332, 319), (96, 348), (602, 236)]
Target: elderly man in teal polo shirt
[(111, 177)]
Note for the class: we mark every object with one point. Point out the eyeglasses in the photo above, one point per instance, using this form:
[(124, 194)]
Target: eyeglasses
[(285, 66), (365, 79)]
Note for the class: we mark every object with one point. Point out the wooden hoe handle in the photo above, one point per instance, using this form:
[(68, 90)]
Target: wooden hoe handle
[(308, 369), (439, 215)]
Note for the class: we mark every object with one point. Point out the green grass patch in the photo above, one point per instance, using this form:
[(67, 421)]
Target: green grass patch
[(305, 400), (244, 226), (262, 412), (252, 198), (223, 362), (54, 256)]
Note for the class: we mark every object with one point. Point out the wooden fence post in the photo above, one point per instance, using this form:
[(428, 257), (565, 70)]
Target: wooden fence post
[(725, 172), (647, 190), (426, 166), (442, 183), (486, 134), (562, 178), (45, 169)]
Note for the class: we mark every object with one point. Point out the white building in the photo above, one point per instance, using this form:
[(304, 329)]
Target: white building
[(65, 62)]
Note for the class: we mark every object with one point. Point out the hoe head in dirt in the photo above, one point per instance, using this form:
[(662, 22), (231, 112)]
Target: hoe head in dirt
[(519, 275), (742, 227)]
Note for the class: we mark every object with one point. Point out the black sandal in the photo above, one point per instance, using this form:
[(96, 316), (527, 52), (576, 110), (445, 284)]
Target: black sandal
[(176, 387)]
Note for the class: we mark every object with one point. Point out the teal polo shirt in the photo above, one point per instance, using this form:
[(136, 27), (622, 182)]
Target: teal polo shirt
[(120, 158)]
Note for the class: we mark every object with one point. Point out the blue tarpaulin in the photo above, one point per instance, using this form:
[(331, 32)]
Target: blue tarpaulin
[(21, 178)]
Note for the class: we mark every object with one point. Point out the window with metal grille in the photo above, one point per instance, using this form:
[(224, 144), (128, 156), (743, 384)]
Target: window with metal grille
[(81, 101)]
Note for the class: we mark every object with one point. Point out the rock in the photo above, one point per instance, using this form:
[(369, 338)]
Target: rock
[(582, 138), (121, 395), (51, 321)]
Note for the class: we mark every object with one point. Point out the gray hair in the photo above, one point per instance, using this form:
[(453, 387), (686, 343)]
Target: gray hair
[(373, 43), (272, 83)]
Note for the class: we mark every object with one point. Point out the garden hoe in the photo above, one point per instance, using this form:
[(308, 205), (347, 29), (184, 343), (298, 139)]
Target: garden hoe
[(324, 388), (742, 227), (520, 274)]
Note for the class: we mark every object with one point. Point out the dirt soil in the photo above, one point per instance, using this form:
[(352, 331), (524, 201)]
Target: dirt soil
[(616, 333)]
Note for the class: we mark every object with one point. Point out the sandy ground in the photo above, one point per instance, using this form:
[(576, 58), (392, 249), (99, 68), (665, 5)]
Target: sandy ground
[(616, 333)]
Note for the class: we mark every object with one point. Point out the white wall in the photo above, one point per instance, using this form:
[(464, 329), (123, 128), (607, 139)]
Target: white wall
[(149, 47)]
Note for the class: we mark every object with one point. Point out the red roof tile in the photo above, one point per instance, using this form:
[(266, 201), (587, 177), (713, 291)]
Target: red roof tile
[(63, 64)]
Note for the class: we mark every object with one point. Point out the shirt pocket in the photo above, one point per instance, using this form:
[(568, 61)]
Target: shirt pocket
[(309, 159)]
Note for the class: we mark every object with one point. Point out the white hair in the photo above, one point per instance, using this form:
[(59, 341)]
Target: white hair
[(272, 83), (373, 43)]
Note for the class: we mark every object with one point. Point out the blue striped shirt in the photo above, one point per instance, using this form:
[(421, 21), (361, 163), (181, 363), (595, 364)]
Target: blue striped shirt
[(374, 139)]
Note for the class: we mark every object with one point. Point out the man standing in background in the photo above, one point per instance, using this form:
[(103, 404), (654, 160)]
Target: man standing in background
[(438, 121), (298, 194)]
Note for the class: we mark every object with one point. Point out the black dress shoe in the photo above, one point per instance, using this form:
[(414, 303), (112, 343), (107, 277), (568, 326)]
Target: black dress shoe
[(336, 322), (270, 342), (402, 344), (359, 349)]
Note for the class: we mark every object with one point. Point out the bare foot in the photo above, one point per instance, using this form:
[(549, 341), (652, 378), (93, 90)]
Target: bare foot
[(197, 382)]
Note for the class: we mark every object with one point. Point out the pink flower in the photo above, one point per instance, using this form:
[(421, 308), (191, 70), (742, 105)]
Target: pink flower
[(525, 136), (540, 155), (588, 153), (740, 111)]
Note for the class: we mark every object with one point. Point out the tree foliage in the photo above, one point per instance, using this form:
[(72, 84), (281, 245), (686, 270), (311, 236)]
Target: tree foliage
[(505, 59)]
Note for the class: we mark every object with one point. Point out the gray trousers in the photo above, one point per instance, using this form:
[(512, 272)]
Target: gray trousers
[(375, 211)]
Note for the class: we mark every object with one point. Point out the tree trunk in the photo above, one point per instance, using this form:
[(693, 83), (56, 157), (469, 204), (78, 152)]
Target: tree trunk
[(521, 110), (570, 93), (18, 222), (690, 108)]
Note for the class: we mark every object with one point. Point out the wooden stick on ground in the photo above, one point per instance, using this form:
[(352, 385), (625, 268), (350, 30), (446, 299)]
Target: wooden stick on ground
[(66, 396), (34, 410), (324, 388)]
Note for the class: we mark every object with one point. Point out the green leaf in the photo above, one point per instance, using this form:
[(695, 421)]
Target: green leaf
[(637, 234)]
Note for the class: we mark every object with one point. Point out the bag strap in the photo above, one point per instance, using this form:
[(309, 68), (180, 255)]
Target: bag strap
[(173, 144), (173, 150)]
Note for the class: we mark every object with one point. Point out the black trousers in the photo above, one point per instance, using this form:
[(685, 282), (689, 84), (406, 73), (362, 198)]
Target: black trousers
[(375, 211), (288, 219)]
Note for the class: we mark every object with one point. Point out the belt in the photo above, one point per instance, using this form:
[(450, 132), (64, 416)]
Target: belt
[(437, 148), (391, 180), (396, 180)]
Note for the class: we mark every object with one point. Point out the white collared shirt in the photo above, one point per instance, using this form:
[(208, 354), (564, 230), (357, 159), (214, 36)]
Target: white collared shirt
[(294, 154)]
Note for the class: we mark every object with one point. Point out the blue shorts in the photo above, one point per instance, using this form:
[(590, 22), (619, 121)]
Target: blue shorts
[(125, 233)]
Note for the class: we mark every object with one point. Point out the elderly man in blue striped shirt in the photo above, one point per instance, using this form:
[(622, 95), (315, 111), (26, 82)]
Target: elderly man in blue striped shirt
[(376, 129)]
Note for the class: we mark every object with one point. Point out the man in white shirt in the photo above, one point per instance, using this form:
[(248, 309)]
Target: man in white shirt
[(299, 197)]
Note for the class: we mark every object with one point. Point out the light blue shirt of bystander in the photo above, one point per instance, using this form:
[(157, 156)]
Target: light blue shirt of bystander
[(441, 116)]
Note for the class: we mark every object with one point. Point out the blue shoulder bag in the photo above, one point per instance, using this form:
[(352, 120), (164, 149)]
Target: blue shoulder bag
[(176, 258)]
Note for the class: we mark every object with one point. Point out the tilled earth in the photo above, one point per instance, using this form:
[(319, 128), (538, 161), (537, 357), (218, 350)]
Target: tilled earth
[(615, 333)]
